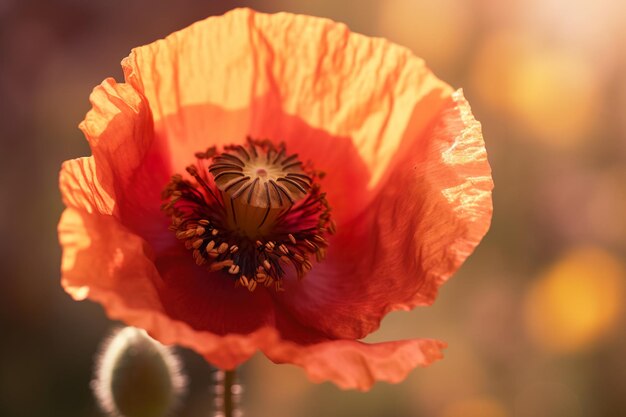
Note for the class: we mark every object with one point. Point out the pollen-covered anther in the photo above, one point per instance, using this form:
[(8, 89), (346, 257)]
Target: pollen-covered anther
[(216, 266), (252, 212)]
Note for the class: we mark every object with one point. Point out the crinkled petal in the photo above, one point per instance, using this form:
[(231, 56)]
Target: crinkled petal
[(431, 213), (209, 301), (340, 99), (80, 187), (407, 176), (167, 295), (118, 128), (128, 165), (356, 365), (105, 262)]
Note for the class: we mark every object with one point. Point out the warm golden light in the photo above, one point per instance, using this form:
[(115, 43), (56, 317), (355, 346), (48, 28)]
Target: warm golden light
[(576, 302), (534, 321), (551, 92)]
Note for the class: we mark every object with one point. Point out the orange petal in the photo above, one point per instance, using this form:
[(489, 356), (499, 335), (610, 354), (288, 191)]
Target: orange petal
[(106, 263), (407, 176), (81, 189), (341, 99), (115, 128), (109, 265), (356, 365), (430, 214), (128, 168), (454, 184), (119, 131)]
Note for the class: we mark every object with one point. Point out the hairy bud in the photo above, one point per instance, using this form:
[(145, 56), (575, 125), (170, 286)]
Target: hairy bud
[(136, 376)]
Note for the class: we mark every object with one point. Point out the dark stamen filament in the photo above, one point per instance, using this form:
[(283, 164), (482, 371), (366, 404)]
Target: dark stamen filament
[(275, 216)]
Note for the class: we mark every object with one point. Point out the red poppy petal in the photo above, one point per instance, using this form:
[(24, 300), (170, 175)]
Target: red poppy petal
[(105, 262), (118, 128), (340, 99), (198, 82), (128, 164), (372, 138), (185, 292), (209, 301), (407, 177), (433, 210), (457, 212), (121, 276), (81, 189), (357, 365)]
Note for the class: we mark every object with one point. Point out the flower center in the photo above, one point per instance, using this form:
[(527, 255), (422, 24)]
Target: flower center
[(258, 186), (251, 211)]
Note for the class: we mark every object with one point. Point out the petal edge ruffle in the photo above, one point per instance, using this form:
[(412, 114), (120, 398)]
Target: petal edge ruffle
[(105, 279), (352, 364), (432, 212), (106, 263)]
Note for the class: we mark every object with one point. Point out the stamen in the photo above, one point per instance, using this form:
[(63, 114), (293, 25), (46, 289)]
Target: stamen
[(222, 248), (275, 215)]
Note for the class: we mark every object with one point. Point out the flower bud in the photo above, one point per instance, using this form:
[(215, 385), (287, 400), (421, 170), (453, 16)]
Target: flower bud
[(136, 376)]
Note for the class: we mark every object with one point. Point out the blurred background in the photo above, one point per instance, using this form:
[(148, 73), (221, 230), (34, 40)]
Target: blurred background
[(534, 320)]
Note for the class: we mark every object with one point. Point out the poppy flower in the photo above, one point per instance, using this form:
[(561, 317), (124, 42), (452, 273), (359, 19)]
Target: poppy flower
[(275, 183)]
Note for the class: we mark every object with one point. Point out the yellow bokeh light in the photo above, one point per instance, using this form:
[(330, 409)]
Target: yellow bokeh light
[(553, 93), (576, 302), (475, 407)]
